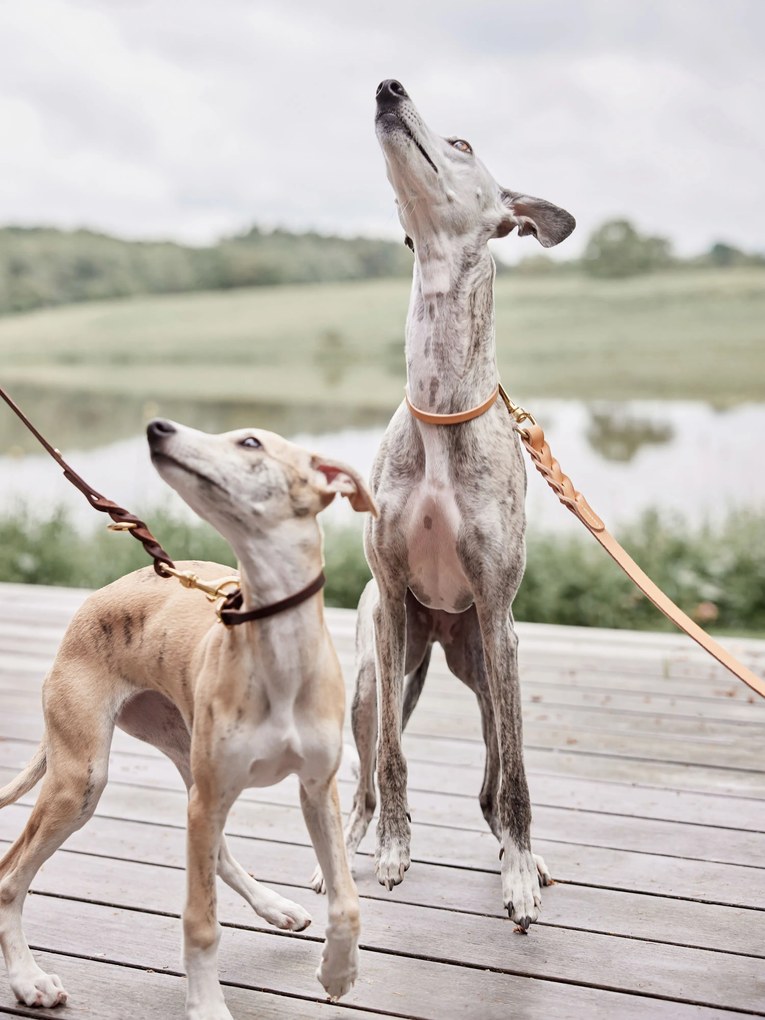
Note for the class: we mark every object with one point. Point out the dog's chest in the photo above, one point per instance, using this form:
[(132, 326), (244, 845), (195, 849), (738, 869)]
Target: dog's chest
[(275, 751), (280, 742), (432, 523)]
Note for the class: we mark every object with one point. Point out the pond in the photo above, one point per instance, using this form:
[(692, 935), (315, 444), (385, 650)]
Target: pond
[(680, 457)]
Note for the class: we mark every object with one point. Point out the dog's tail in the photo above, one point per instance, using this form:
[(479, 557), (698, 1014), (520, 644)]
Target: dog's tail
[(24, 782)]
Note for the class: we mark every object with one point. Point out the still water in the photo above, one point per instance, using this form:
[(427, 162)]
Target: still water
[(683, 458)]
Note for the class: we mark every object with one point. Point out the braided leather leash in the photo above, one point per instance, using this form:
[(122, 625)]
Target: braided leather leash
[(533, 438), (224, 592), (122, 518)]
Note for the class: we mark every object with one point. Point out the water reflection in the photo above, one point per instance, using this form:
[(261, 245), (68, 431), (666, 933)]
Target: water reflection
[(617, 434), (75, 420), (675, 456)]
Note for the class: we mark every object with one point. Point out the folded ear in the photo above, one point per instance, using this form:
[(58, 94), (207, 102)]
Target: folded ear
[(547, 222), (339, 478)]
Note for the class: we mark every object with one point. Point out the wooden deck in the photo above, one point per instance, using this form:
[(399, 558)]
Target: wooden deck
[(647, 771)]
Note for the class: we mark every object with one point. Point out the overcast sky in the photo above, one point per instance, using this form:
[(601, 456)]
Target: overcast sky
[(189, 119)]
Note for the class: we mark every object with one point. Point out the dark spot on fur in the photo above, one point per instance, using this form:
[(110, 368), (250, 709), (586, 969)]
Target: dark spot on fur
[(90, 788), (434, 384), (127, 629), (210, 713), (428, 522)]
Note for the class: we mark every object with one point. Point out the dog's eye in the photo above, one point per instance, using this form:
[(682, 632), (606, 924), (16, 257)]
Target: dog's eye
[(462, 145), (252, 442)]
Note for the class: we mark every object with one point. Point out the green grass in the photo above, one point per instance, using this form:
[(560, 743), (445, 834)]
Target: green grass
[(697, 334)]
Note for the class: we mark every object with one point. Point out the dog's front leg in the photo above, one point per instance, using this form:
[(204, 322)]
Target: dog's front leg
[(340, 958), (520, 877), (393, 829), (201, 932)]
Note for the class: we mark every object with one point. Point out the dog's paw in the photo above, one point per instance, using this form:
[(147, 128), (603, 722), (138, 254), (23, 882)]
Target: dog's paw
[(288, 916), (392, 862), (338, 977), (317, 882), (545, 878), (281, 912), (39, 989), (521, 893)]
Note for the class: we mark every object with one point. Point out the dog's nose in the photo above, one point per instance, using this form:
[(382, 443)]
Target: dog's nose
[(390, 92), (158, 428)]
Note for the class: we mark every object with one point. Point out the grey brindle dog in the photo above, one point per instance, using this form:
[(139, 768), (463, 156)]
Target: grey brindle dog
[(447, 551)]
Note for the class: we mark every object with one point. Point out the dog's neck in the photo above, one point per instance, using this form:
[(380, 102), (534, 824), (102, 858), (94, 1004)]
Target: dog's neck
[(279, 564), (450, 344)]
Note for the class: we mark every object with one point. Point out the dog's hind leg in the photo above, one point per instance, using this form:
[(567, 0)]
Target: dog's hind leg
[(340, 957), (364, 722), (78, 737), (153, 718)]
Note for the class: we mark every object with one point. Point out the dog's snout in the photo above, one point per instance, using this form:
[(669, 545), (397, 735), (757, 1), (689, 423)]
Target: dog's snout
[(158, 428), (390, 92)]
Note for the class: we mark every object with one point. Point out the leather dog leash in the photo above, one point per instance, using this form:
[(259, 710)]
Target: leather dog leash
[(228, 603), (533, 438)]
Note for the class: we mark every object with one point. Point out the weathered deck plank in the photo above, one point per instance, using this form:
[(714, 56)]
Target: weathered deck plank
[(647, 773)]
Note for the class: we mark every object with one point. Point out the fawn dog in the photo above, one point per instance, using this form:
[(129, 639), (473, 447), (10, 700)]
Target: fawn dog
[(232, 707), (447, 552)]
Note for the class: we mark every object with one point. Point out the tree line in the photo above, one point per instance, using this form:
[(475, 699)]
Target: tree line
[(41, 266)]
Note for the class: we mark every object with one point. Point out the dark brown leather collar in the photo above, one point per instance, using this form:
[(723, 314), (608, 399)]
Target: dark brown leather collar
[(230, 611)]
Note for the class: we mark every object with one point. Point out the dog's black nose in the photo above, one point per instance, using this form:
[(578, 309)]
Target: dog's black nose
[(158, 428), (390, 92)]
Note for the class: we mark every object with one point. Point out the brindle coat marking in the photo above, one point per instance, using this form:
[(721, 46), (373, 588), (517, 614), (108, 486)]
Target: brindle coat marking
[(447, 552), (230, 708)]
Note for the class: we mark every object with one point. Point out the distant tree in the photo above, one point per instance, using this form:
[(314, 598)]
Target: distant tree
[(616, 249), (724, 255)]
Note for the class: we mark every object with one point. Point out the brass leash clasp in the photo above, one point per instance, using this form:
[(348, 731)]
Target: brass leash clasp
[(517, 413), (213, 590)]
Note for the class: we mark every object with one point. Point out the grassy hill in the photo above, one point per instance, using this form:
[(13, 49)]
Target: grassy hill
[(686, 334)]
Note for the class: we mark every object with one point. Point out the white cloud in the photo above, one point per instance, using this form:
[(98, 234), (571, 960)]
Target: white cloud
[(189, 119)]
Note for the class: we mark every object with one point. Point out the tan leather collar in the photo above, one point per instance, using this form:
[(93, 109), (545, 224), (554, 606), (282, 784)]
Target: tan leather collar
[(452, 419)]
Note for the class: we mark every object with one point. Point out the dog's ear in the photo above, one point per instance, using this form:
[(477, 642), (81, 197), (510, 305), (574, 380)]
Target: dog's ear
[(339, 478), (547, 222)]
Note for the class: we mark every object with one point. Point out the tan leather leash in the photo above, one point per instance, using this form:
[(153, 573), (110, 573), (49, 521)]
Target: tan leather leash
[(227, 602), (533, 438)]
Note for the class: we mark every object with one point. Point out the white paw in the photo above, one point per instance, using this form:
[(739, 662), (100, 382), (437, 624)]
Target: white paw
[(545, 878), (39, 989), (317, 881), (336, 977), (391, 863), (284, 914), (521, 893)]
